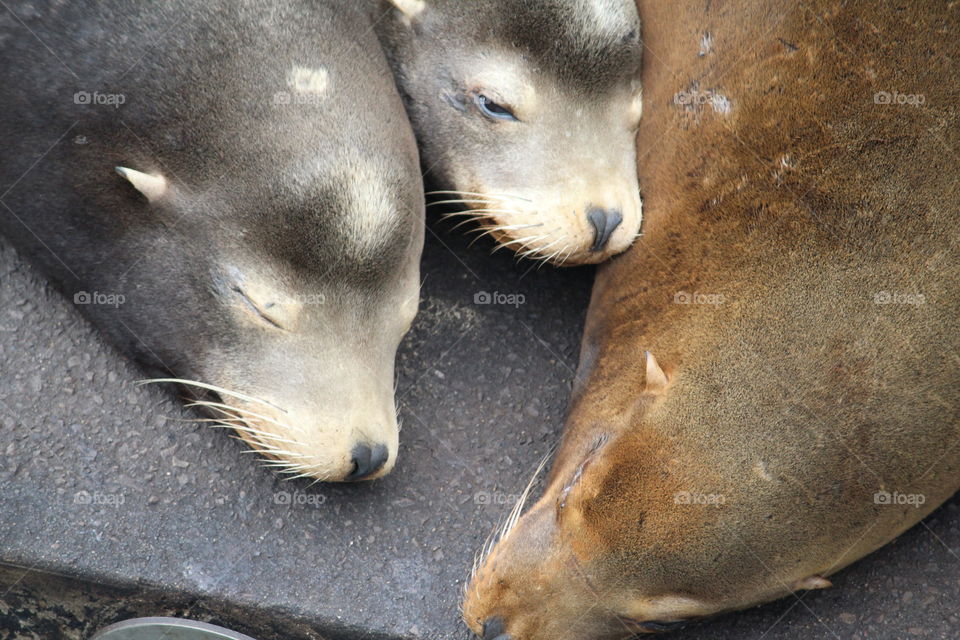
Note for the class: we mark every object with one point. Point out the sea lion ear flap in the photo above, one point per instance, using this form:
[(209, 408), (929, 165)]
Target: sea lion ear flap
[(409, 8), (153, 187), (656, 380), (811, 582)]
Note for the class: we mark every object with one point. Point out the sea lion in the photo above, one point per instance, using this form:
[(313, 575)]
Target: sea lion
[(767, 388), (260, 236), (526, 115)]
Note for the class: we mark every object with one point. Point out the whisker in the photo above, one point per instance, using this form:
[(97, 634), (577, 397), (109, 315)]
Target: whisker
[(430, 204), (540, 250), (231, 410), (500, 532), (470, 212), (256, 432), (528, 239), (466, 221), (499, 196), (211, 387)]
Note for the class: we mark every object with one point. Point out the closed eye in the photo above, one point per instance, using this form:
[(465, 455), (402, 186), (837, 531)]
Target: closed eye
[(262, 312), (654, 626), (493, 110)]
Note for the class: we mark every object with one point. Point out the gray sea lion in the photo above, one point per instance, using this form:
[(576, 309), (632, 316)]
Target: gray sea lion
[(262, 238), (799, 285), (526, 114)]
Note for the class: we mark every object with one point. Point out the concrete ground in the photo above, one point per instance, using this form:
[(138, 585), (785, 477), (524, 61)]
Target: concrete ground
[(143, 514)]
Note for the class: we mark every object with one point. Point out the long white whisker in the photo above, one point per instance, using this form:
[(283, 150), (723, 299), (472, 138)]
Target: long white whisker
[(499, 196), (471, 212), (211, 387), (526, 240), (231, 410), (256, 432), (436, 202)]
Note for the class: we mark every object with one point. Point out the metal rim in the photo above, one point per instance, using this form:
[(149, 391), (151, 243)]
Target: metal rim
[(161, 624)]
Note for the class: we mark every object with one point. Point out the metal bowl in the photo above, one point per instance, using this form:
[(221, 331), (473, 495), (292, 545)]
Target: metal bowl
[(166, 629)]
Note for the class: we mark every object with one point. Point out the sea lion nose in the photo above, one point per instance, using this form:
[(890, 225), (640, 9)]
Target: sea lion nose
[(493, 629), (368, 460), (604, 222)]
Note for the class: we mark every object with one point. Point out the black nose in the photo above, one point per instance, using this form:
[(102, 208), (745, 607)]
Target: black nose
[(493, 629), (604, 222), (368, 460)]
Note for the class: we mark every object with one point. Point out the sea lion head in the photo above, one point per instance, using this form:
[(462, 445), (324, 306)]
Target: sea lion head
[(526, 112), (280, 226), (300, 285), (596, 556)]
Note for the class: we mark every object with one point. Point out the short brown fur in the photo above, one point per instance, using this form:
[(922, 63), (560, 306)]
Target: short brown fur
[(808, 375)]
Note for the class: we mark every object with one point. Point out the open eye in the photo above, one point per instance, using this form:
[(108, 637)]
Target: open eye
[(491, 109)]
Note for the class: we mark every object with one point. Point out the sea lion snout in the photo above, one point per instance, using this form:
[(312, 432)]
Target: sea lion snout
[(310, 442), (604, 222), (367, 460), (493, 629)]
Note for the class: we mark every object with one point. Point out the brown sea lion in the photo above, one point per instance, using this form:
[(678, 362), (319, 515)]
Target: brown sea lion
[(798, 283)]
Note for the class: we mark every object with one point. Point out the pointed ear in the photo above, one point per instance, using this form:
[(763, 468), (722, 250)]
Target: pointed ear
[(656, 381), (409, 8), (153, 187), (811, 582)]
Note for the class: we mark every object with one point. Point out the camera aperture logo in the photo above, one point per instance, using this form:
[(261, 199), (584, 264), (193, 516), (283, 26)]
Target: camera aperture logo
[(96, 297), (509, 299), (297, 498), (915, 500), (101, 99), (97, 498)]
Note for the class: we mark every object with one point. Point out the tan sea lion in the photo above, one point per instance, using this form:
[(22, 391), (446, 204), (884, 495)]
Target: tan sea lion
[(526, 115), (798, 283)]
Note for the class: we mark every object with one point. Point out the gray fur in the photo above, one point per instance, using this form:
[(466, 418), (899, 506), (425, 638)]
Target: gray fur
[(261, 186)]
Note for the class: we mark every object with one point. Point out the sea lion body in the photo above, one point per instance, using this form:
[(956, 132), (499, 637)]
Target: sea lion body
[(273, 248), (797, 285), (526, 115)]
